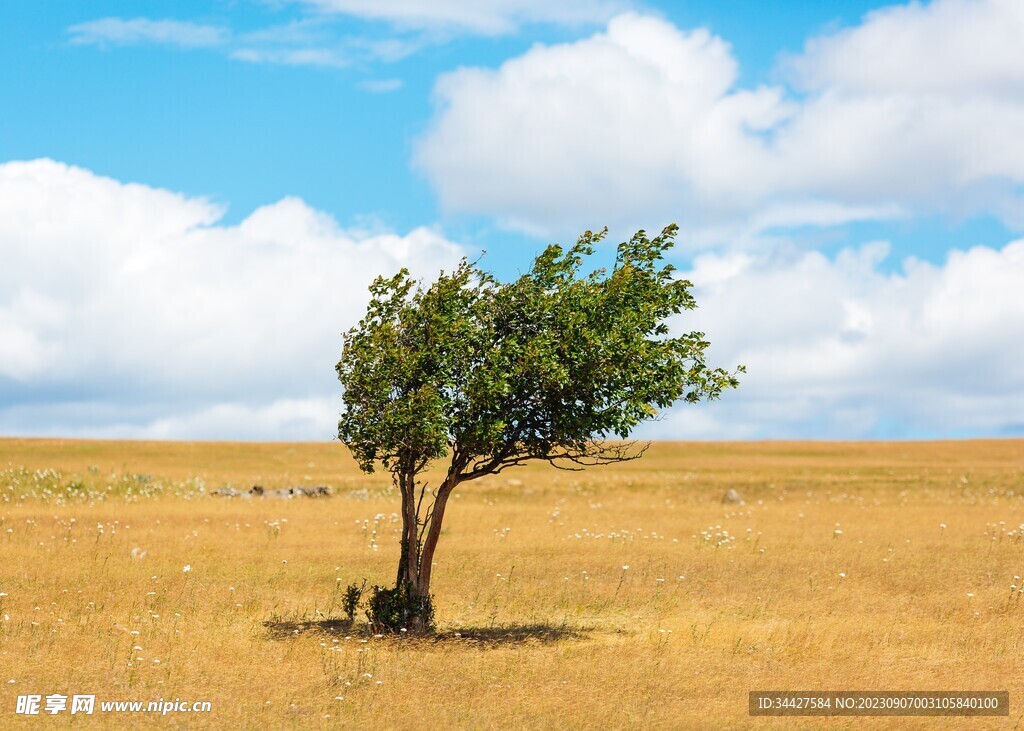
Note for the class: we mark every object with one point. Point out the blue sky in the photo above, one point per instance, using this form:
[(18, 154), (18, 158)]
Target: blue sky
[(847, 170)]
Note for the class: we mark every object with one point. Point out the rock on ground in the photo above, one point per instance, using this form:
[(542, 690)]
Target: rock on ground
[(731, 496)]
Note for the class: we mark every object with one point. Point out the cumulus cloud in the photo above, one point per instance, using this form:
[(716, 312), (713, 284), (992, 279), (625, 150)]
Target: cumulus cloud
[(134, 31), (645, 121), (950, 47), (130, 310), (836, 347)]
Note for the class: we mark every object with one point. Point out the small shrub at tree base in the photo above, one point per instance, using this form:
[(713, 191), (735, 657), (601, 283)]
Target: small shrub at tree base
[(400, 608), (350, 602)]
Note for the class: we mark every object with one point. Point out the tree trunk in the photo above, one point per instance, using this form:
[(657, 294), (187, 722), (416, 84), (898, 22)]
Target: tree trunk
[(416, 561), (408, 567), (407, 536), (433, 533)]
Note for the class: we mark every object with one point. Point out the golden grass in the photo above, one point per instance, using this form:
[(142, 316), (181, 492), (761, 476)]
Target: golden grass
[(554, 631)]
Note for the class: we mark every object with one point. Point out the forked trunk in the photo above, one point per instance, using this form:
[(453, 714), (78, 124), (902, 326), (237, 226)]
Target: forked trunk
[(416, 562)]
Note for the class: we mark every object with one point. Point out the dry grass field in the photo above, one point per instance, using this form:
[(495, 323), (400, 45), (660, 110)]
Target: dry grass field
[(623, 597)]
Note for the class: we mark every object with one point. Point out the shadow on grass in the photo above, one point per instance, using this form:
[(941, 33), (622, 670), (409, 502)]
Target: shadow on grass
[(282, 629), (512, 634), (485, 636)]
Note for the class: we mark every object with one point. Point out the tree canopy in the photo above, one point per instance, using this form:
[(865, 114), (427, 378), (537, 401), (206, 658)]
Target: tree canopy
[(548, 366)]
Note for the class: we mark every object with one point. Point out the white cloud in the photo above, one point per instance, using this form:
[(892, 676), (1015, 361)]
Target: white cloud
[(305, 42), (949, 47), (125, 32), (575, 132), (132, 309), (838, 348), (324, 57), (490, 17), (645, 122)]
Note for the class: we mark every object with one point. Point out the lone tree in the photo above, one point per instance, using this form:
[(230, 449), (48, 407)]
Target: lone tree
[(554, 366)]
